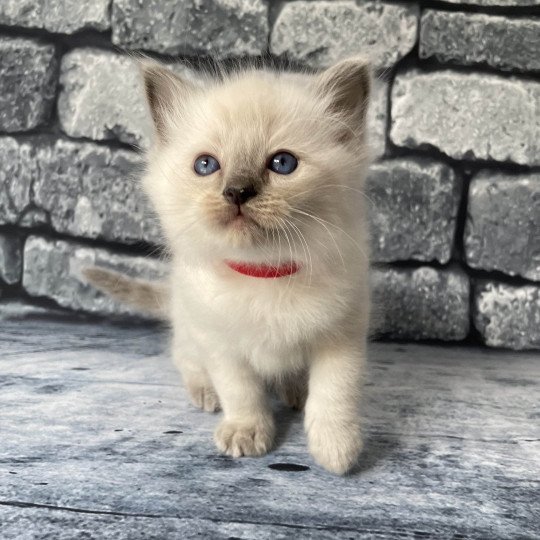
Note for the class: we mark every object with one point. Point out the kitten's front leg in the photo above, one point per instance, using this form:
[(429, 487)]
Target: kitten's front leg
[(247, 428), (197, 381), (332, 420), (200, 388)]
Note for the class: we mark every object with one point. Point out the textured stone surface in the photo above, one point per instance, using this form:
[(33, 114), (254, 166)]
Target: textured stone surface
[(17, 168), (378, 118), (420, 303), (413, 209), (10, 258), (503, 223), (508, 316), (34, 217), (319, 33), (469, 38), (93, 191), (102, 97), (499, 3), (220, 27), (53, 268), (63, 16), (100, 441), (27, 83), (461, 114), (16, 310)]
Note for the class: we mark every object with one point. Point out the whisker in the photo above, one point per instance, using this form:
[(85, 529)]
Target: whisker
[(321, 221), (305, 247), (326, 186), (284, 229)]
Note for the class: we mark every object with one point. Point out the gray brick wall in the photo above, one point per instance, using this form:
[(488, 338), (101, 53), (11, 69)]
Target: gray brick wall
[(454, 194)]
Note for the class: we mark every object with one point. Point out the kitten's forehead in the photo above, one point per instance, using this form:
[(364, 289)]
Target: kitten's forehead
[(256, 111), (261, 93)]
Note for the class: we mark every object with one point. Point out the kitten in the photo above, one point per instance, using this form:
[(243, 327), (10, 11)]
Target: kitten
[(257, 179)]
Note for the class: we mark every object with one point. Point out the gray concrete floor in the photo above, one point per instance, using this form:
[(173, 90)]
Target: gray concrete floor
[(98, 440)]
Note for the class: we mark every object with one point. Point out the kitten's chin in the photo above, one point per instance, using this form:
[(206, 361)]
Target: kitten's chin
[(239, 230)]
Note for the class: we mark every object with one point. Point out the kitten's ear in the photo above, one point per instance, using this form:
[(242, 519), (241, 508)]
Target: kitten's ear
[(165, 94), (348, 85)]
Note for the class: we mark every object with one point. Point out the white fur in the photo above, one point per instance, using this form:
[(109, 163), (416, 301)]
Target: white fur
[(233, 334)]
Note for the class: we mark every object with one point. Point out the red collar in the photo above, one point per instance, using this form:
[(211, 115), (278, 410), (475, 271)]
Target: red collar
[(263, 270)]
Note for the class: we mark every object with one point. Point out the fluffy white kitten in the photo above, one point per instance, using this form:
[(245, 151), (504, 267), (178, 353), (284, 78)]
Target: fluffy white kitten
[(257, 178)]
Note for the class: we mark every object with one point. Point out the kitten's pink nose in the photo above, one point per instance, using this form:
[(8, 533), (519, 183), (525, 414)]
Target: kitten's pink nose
[(239, 195)]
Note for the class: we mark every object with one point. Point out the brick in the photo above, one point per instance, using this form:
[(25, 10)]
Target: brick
[(508, 316), (319, 33), (472, 38), (220, 27), (503, 223), (420, 303), (377, 119), (61, 16), (93, 191), (10, 259), (413, 210), (102, 97), (53, 269), (18, 167), (461, 115), (27, 83)]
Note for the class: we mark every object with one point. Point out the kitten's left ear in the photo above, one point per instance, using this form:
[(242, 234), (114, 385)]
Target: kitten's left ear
[(348, 85)]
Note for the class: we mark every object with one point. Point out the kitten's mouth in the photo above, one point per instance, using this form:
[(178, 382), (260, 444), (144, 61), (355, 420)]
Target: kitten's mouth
[(239, 219), (244, 227)]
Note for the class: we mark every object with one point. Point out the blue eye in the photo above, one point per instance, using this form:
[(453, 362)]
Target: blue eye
[(283, 163), (205, 165)]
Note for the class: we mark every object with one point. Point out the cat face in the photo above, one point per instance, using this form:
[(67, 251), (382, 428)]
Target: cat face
[(259, 162)]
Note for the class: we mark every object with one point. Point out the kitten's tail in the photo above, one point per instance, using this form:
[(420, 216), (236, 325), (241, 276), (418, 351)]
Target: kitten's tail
[(147, 296)]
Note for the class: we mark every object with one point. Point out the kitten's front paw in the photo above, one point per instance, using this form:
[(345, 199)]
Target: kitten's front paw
[(237, 439), (334, 447), (203, 396)]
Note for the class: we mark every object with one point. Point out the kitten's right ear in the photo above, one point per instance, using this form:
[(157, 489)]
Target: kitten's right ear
[(165, 94), (348, 85)]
